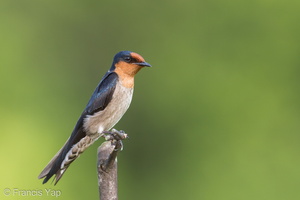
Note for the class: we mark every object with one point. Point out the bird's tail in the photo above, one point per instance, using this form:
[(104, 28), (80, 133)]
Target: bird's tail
[(53, 167), (64, 157), (71, 150)]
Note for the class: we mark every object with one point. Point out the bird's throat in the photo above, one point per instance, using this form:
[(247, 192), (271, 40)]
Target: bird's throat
[(126, 73)]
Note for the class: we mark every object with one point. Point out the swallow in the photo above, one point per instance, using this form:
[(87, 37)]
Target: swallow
[(107, 105)]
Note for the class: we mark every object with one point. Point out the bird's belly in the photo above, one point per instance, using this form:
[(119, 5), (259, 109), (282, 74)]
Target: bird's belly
[(107, 118)]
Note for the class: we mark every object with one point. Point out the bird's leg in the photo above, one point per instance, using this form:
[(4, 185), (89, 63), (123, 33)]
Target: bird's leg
[(116, 137)]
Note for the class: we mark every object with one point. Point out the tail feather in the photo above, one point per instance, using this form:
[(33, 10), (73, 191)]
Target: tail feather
[(56, 166), (64, 157), (46, 171), (72, 155)]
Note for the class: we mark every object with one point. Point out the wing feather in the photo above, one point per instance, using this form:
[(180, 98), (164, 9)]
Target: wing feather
[(99, 100)]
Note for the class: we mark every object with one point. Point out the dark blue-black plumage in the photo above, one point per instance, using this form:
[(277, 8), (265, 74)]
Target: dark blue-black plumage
[(99, 100)]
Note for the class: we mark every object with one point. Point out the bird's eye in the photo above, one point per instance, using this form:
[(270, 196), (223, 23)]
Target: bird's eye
[(127, 58)]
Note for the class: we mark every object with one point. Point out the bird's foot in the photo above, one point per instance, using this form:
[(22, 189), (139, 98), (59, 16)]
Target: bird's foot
[(116, 137)]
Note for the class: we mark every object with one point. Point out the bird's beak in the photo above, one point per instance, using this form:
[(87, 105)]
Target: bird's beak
[(143, 64)]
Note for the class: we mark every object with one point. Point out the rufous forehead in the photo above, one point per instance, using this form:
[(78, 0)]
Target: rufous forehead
[(138, 57)]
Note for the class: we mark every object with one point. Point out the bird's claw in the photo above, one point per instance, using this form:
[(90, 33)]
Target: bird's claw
[(116, 137)]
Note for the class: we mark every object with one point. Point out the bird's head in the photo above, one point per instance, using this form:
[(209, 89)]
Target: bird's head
[(128, 63)]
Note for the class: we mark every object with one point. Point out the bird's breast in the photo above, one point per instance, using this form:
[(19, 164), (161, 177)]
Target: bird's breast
[(107, 118)]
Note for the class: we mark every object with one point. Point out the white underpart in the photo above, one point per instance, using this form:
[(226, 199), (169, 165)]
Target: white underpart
[(104, 120), (101, 121)]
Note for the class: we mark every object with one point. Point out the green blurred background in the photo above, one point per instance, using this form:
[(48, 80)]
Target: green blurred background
[(215, 118)]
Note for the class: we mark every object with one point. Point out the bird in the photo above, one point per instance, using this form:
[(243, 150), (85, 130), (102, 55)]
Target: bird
[(107, 105)]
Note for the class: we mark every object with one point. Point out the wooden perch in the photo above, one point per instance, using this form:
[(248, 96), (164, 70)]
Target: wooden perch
[(107, 164)]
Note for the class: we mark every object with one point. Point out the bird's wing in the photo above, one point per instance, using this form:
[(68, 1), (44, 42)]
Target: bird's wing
[(103, 94), (99, 100)]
